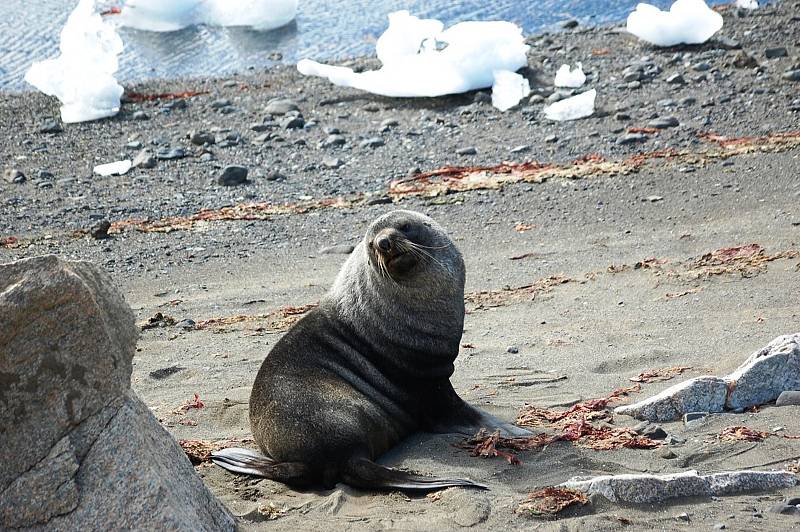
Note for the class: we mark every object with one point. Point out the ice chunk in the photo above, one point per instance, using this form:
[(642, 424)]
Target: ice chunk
[(687, 22), (82, 77), (508, 89), (579, 106), (115, 168), (258, 14), (158, 15), (567, 78), (419, 62), (747, 4)]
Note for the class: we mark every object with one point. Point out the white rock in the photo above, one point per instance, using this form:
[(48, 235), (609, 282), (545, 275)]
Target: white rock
[(419, 61), (747, 4), (687, 22), (570, 78), (82, 77), (508, 89), (115, 168), (579, 106), (158, 15)]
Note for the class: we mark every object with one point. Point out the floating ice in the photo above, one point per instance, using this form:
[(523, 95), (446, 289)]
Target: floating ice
[(687, 22), (158, 15), (579, 106), (567, 78), (508, 89), (82, 77), (421, 60), (747, 4), (115, 168)]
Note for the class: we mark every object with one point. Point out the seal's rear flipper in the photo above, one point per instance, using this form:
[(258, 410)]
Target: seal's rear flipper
[(245, 461), (365, 474)]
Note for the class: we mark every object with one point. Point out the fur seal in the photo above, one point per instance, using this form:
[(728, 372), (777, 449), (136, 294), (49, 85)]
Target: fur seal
[(366, 368)]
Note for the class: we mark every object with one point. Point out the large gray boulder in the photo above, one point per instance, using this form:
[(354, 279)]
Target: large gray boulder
[(761, 379), (78, 449)]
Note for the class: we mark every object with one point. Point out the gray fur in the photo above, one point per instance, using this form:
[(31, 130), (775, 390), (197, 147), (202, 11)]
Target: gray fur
[(369, 367)]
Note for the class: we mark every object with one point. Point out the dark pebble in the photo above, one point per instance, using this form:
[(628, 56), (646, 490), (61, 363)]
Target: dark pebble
[(631, 138), (201, 137), (276, 176), (50, 126), (373, 142), (170, 154), (470, 150), (140, 115), (774, 53), (292, 122), (144, 159), (219, 104), (186, 324), (664, 123), (792, 75), (676, 79), (232, 175), (100, 229), (163, 373), (569, 24)]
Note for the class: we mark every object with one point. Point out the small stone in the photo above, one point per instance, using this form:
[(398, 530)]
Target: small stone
[(666, 453), (676, 79), (682, 517), (207, 157), (728, 43), (482, 97), (44, 175), (219, 104), (371, 108), (140, 115), (232, 175), (774, 53), (470, 150), (551, 138), (168, 154), (144, 159), (744, 60), (100, 230), (703, 66), (650, 430), (380, 200), (260, 128), (186, 324), (688, 101), (654, 199), (622, 117), (512, 349), (331, 130), (341, 249), (633, 85), (631, 138), (559, 95), (50, 126), (201, 137), (536, 98), (12, 175), (696, 417), (134, 145), (792, 75), (719, 526), (180, 103), (569, 24), (163, 373), (664, 123), (787, 398), (332, 162), (280, 107), (275, 176), (292, 122), (372, 142), (390, 122), (520, 149)]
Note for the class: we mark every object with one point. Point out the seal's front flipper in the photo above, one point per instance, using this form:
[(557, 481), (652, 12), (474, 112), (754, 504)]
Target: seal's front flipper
[(366, 474)]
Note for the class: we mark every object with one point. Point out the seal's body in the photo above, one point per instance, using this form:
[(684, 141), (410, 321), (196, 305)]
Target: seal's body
[(368, 367)]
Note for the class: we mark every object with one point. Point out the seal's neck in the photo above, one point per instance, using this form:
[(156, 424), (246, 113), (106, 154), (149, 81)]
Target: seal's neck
[(415, 323)]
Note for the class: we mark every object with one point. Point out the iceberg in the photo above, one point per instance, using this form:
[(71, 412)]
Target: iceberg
[(747, 4), (82, 77), (570, 78), (579, 106), (158, 15), (420, 60), (686, 22)]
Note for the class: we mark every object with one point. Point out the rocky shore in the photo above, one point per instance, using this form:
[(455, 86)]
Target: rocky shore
[(596, 250)]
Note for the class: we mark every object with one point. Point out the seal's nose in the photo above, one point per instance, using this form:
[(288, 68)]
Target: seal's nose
[(383, 243)]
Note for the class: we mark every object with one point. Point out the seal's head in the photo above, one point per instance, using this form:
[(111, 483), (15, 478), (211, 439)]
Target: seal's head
[(404, 245)]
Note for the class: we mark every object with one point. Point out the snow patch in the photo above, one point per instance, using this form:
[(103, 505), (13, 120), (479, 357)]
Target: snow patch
[(579, 106), (419, 59), (686, 22), (570, 78), (747, 4), (82, 77)]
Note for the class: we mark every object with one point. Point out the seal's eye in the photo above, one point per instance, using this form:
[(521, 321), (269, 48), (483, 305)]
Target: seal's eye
[(404, 227)]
